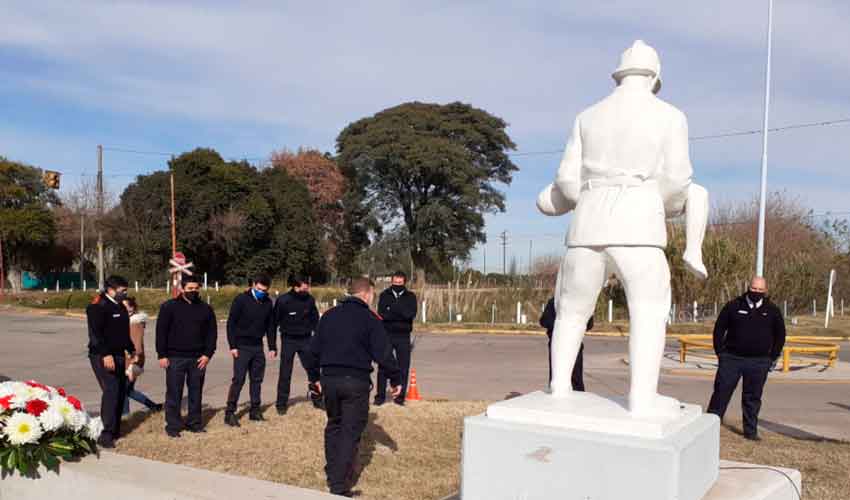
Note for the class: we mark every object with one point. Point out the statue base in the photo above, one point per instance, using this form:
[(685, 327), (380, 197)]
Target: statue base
[(537, 447)]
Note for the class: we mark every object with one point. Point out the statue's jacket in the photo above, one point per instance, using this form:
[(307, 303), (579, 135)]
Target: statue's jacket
[(625, 170)]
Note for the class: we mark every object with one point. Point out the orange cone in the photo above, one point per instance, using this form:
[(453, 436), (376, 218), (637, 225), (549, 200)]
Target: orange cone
[(413, 389)]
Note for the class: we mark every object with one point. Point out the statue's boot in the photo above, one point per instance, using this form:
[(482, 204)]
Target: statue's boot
[(696, 219)]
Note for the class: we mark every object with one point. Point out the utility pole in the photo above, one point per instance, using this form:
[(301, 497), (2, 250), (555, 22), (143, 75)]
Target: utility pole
[(100, 278), (530, 251), (504, 237), (3, 273), (485, 260)]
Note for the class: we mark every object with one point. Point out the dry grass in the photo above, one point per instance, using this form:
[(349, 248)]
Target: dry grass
[(413, 453), (407, 453)]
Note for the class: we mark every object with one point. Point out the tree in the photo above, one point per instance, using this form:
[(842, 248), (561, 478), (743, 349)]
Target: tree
[(431, 168), (27, 228)]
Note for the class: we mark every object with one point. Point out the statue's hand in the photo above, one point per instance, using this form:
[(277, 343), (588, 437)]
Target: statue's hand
[(552, 202)]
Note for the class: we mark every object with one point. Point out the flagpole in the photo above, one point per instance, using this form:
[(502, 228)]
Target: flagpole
[(763, 192)]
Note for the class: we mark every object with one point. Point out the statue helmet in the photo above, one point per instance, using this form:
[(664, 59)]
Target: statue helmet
[(640, 59)]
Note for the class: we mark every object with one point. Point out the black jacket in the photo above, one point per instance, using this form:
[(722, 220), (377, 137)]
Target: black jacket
[(296, 315), (348, 339), (185, 329), (750, 333), (547, 319), (398, 311), (109, 328), (249, 321)]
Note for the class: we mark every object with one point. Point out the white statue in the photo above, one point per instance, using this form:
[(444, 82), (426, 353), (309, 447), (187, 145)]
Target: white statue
[(624, 171)]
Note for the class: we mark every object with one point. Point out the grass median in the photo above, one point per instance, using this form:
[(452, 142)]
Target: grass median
[(413, 453)]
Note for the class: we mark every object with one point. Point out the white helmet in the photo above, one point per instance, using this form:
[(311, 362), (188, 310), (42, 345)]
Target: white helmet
[(640, 59)]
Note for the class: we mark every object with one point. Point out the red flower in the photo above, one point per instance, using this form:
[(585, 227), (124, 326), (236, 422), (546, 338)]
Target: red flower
[(61, 391), (6, 402), (36, 407), (33, 383), (75, 402)]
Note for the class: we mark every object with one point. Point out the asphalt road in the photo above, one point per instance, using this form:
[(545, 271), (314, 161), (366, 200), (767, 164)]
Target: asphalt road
[(52, 349)]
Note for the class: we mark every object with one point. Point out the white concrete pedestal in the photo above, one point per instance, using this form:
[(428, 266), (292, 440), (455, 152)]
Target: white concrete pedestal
[(587, 448)]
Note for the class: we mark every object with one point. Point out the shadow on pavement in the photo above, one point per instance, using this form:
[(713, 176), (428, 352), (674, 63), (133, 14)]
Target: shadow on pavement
[(839, 405), (374, 435)]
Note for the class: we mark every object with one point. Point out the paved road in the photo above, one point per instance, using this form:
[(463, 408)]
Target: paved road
[(469, 367)]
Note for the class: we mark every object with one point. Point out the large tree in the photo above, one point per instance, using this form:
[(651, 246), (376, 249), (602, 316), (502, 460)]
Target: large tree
[(27, 228), (433, 168), (232, 221)]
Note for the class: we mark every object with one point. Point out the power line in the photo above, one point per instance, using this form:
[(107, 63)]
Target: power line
[(719, 136)]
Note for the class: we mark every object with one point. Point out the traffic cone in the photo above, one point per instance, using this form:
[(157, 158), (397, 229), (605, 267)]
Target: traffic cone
[(413, 389)]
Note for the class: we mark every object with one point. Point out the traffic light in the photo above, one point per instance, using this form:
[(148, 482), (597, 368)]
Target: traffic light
[(51, 179)]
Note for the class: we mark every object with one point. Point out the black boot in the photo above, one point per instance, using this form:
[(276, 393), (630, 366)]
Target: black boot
[(256, 415), (231, 420)]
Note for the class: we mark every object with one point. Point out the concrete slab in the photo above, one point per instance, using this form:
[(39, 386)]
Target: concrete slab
[(132, 478), (509, 461)]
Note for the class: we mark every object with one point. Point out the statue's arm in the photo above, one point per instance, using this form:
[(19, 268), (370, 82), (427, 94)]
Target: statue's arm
[(678, 171), (561, 196)]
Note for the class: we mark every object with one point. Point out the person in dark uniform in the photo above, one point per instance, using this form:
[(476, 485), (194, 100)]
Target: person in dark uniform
[(109, 345), (296, 315), (348, 339), (748, 338), (397, 306), (547, 321), (186, 334), (251, 319)]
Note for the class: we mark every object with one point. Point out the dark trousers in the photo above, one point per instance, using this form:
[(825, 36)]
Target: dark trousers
[(732, 368), (291, 347), (114, 387), (578, 368), (180, 372), (347, 407), (251, 362), (401, 350)]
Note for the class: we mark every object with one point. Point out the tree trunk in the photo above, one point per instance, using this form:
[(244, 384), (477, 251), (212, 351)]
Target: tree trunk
[(15, 276)]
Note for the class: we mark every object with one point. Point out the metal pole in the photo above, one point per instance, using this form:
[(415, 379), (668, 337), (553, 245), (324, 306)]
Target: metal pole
[(100, 278), (763, 195), (82, 247)]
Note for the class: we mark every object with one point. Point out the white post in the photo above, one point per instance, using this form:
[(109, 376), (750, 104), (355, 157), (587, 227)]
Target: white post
[(45, 289), (216, 286), (205, 281), (674, 314), (424, 311), (518, 312), (450, 311), (493, 313), (168, 287), (814, 307), (842, 302), (715, 308), (137, 287), (610, 310), (696, 311), (57, 286), (335, 303), (85, 285), (209, 300), (763, 197)]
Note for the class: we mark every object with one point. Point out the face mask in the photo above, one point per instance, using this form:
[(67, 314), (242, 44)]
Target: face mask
[(259, 294), (192, 296), (120, 296), (397, 288), (755, 297), (302, 293)]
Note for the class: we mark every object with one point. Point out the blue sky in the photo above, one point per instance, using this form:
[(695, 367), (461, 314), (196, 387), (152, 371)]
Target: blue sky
[(250, 77)]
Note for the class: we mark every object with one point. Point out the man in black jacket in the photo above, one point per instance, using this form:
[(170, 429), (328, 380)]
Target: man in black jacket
[(251, 318), (186, 334), (109, 344), (348, 339), (296, 315), (397, 307), (748, 338), (547, 321)]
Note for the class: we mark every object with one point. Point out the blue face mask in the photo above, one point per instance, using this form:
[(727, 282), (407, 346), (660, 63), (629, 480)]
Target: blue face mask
[(259, 294)]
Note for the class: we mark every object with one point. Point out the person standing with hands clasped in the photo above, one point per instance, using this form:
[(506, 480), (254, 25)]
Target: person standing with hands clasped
[(186, 334), (109, 345), (348, 339), (397, 307), (748, 338), (547, 321), (250, 319), (296, 315)]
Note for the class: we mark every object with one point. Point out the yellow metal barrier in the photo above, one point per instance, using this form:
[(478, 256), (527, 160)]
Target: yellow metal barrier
[(792, 346)]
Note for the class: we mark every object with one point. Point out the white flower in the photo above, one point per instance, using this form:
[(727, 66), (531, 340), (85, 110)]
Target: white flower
[(94, 428), (22, 428), (65, 409), (79, 419), (51, 419)]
